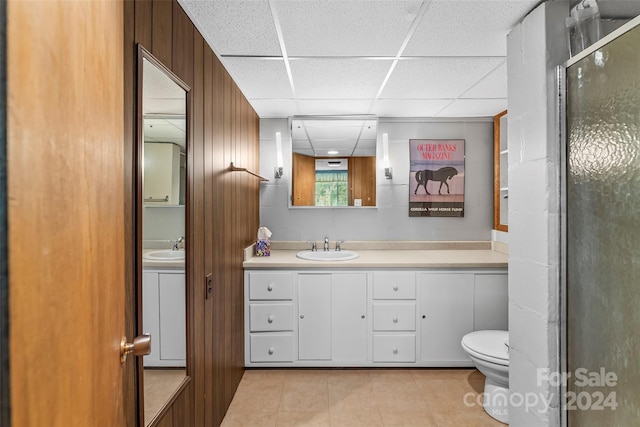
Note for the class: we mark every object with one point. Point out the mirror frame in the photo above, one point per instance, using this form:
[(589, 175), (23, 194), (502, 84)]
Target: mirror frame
[(290, 121), (142, 54)]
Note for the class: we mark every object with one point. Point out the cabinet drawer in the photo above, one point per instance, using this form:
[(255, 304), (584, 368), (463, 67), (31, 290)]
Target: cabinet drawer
[(272, 348), (394, 348), (394, 285), (270, 286), (394, 317), (271, 317)]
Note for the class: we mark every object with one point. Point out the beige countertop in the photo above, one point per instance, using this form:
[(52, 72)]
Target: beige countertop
[(394, 255)]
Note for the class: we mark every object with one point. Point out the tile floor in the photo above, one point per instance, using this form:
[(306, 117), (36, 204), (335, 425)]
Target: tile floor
[(359, 397), (159, 385)]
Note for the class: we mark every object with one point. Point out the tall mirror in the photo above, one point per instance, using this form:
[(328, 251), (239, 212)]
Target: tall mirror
[(333, 161), (162, 290)]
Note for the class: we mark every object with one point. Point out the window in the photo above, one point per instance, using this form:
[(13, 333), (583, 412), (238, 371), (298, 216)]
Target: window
[(332, 188)]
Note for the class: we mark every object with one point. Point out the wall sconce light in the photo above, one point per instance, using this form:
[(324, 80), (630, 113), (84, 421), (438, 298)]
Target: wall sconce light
[(388, 171), (279, 169)]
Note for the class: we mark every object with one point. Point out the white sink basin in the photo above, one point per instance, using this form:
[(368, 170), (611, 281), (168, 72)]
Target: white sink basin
[(343, 255), (164, 255)]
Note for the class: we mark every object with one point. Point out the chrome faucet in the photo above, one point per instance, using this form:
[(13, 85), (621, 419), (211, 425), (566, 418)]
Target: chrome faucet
[(338, 243), (176, 243), (313, 246), (326, 244)]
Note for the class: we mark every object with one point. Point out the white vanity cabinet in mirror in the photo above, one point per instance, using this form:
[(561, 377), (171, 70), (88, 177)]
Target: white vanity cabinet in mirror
[(164, 317)]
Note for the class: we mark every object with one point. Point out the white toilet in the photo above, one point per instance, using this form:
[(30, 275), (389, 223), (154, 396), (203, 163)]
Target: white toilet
[(489, 351)]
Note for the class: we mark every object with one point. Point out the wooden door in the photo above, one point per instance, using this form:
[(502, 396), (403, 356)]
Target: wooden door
[(65, 212), (314, 311), (303, 182)]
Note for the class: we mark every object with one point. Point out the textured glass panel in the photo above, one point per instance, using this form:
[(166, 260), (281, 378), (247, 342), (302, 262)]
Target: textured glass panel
[(603, 232)]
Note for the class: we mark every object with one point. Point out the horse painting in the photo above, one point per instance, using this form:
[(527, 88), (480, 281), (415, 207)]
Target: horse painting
[(442, 175)]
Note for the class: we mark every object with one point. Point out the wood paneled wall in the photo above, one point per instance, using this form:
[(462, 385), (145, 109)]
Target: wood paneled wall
[(224, 206)]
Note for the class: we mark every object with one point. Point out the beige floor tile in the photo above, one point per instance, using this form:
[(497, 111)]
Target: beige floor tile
[(360, 397), (355, 418), (263, 375), (257, 397), (443, 374), (356, 397), (301, 397), (407, 419), (475, 417), (303, 419), (445, 395), (249, 419)]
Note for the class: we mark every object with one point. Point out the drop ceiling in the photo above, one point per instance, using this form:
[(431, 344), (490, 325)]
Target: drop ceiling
[(439, 58), (388, 58)]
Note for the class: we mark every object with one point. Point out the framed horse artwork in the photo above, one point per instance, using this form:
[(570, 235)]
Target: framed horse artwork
[(436, 177)]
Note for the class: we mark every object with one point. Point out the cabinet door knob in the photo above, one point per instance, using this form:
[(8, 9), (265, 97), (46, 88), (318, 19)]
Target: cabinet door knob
[(271, 350), (424, 316), (395, 319), (362, 316), (395, 350), (270, 287), (270, 319), (302, 316), (395, 287)]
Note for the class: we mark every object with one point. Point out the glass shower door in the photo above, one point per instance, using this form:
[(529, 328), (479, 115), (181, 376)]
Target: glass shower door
[(603, 235)]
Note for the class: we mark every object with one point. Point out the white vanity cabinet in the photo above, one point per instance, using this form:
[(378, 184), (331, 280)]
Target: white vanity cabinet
[(491, 302), (164, 316), (373, 317), (314, 313), (394, 316), (269, 317), (446, 315), (349, 317)]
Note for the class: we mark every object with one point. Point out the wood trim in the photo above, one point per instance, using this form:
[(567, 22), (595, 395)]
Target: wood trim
[(130, 392), (5, 403), (496, 174)]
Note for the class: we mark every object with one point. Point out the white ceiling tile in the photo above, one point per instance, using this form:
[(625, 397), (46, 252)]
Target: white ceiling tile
[(437, 77), (334, 106), (260, 78), (345, 28), (365, 152), (234, 27), (467, 28), (408, 107), (274, 108), (492, 86), (474, 108), (344, 132), (338, 78), (367, 144)]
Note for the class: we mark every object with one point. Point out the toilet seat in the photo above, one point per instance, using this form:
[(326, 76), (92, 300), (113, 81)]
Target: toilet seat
[(491, 346)]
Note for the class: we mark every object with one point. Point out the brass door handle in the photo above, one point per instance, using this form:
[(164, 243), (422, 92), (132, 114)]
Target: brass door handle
[(141, 346)]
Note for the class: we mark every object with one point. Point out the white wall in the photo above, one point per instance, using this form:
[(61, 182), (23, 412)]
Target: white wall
[(390, 219), (163, 223), (535, 48)]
